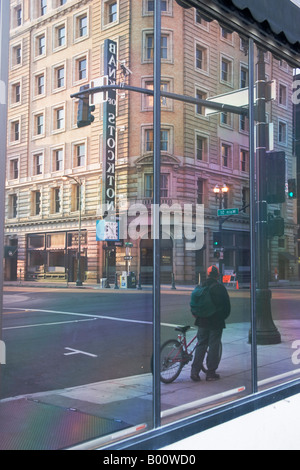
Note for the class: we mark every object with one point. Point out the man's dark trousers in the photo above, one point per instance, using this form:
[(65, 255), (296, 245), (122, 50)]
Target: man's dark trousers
[(211, 339)]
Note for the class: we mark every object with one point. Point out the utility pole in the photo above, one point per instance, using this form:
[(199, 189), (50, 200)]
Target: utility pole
[(267, 332), (4, 66)]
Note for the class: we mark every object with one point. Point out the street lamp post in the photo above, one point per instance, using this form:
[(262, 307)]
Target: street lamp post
[(220, 196), (79, 183)]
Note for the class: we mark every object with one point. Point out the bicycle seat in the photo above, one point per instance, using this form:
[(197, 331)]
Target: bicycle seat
[(182, 329)]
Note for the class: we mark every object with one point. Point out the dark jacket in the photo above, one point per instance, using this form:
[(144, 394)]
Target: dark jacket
[(221, 300)]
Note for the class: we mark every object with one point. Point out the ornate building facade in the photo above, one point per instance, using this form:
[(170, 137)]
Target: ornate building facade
[(57, 46)]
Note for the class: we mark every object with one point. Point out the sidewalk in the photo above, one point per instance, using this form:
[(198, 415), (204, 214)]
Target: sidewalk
[(119, 407), (164, 287)]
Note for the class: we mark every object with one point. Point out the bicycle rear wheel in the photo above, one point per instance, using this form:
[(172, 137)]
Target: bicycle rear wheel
[(171, 361)]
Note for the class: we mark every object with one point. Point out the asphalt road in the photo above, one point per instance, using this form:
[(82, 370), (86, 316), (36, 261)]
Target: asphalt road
[(57, 338)]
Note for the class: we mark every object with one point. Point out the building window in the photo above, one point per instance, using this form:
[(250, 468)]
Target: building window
[(226, 119), (148, 186), (14, 169), (200, 109), (75, 197), (15, 131), (226, 156), (43, 4), (164, 186), (166, 49), (244, 160), (244, 77), (17, 16), (109, 13), (282, 133), (200, 20), (149, 47), (283, 95), (165, 6), (201, 58), (81, 26), (226, 35), (201, 148), (164, 140), (60, 77), (245, 200), (80, 68), (112, 12), (244, 124), (13, 205), (39, 84), (16, 93), (39, 124), (58, 158), (59, 118), (59, 36), (200, 191), (79, 154), (40, 44), (56, 200), (149, 140), (147, 100), (38, 164), (16, 55), (35, 202), (226, 71)]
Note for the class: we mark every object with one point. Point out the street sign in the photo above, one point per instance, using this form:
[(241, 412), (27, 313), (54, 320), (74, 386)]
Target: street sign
[(241, 97), (227, 212), (128, 258), (101, 97), (235, 98)]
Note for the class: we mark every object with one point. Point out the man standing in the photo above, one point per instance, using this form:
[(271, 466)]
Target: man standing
[(210, 329)]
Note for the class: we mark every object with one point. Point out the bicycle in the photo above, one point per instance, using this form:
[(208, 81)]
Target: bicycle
[(176, 353)]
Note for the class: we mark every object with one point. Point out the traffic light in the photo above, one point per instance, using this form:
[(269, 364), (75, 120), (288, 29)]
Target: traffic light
[(275, 177), (84, 114), (292, 189), (217, 239), (275, 226)]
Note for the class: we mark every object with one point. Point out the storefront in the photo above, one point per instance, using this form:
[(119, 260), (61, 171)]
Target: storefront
[(53, 256)]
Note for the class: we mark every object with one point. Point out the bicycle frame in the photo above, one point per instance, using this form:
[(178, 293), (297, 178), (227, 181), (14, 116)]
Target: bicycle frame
[(182, 340)]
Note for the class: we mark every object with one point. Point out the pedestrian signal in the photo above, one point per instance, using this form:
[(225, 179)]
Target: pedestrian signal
[(292, 189)]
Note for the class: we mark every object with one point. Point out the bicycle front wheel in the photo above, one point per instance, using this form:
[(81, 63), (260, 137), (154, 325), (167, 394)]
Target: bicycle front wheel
[(171, 361)]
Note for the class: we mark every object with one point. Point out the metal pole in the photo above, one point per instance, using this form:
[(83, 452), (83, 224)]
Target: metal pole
[(4, 67), (78, 281), (266, 331), (155, 212), (252, 215)]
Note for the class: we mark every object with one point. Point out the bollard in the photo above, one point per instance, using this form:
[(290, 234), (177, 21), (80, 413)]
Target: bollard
[(140, 282), (116, 281), (173, 282)]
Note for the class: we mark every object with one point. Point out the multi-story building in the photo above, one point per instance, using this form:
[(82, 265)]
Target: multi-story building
[(56, 47)]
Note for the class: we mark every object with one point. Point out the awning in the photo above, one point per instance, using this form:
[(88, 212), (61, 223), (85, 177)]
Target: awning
[(287, 256), (283, 16), (279, 19)]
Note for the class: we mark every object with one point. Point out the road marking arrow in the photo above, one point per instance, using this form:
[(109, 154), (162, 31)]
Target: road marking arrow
[(76, 351)]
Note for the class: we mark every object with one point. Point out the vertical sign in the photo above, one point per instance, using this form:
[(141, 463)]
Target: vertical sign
[(109, 127)]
